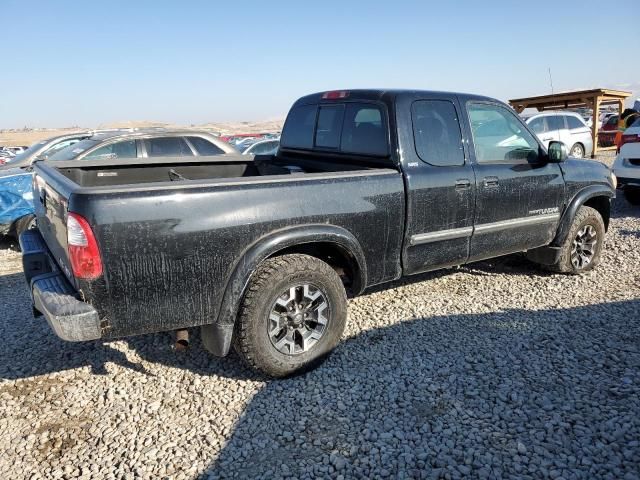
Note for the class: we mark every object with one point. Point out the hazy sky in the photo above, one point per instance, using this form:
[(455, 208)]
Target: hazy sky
[(90, 62)]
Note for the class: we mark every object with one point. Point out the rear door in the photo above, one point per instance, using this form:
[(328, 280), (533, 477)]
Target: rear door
[(519, 193), (577, 132), (439, 181)]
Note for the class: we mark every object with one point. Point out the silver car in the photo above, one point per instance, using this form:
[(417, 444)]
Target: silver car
[(566, 127)]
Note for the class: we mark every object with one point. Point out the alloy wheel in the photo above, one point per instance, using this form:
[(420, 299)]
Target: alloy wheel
[(298, 319), (584, 247)]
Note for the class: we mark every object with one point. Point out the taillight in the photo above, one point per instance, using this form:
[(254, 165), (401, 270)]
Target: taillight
[(83, 248), (335, 95)]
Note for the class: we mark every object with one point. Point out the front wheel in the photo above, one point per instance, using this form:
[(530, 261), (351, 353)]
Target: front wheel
[(581, 250), (292, 315)]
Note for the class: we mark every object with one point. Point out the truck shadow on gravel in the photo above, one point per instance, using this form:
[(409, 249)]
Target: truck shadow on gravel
[(505, 394), (31, 348)]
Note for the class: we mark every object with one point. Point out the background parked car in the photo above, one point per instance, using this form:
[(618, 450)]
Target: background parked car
[(566, 127), (144, 144), (627, 164), (44, 148), (265, 147), (16, 150), (5, 155), (16, 200), (604, 117)]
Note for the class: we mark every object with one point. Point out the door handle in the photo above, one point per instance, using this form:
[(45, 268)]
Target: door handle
[(463, 184), (490, 182), (546, 139)]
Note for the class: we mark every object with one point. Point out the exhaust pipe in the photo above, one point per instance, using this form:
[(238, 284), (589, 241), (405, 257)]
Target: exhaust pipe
[(182, 340)]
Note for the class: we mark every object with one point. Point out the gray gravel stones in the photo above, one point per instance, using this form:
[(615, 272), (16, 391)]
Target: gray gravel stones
[(491, 370)]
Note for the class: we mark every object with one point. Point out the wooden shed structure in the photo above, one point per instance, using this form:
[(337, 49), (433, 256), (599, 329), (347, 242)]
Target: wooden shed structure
[(592, 99)]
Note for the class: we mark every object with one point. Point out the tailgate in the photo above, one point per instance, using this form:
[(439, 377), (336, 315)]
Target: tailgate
[(51, 202)]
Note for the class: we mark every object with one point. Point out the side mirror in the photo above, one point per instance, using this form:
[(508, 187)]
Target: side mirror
[(557, 152)]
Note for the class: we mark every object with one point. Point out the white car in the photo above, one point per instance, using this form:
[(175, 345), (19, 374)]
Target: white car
[(627, 164), (566, 127)]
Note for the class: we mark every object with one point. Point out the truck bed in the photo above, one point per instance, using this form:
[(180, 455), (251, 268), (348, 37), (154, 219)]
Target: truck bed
[(101, 173), (171, 242)]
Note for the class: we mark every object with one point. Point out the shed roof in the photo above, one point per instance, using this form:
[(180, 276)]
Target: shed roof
[(572, 99)]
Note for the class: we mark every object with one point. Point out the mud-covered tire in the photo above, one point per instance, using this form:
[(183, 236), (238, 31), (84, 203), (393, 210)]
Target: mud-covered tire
[(253, 339), (632, 194), (23, 224), (587, 219)]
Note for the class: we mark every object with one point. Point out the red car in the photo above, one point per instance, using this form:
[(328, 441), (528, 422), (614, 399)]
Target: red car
[(607, 133)]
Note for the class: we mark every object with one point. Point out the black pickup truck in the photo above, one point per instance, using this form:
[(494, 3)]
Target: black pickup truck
[(262, 253)]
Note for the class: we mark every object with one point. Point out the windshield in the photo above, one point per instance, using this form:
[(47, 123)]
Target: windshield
[(72, 151), (28, 152)]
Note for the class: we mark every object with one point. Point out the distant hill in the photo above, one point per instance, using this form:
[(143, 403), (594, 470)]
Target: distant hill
[(28, 136)]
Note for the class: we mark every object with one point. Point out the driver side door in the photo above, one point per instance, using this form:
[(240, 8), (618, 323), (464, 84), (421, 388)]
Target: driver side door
[(519, 193)]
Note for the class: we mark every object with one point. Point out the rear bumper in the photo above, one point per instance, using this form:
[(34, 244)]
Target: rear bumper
[(70, 318)]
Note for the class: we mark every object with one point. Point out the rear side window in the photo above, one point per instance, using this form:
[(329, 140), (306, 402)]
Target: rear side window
[(298, 130), (555, 122), (436, 132), (357, 128), (204, 147), (573, 122), (115, 150), (167, 147)]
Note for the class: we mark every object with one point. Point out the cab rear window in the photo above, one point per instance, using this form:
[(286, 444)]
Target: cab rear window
[(355, 128)]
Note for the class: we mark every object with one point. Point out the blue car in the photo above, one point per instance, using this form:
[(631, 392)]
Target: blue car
[(16, 201)]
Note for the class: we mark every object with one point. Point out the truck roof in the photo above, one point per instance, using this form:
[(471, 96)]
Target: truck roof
[(382, 94)]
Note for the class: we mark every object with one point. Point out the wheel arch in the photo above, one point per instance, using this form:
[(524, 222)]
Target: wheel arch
[(595, 196), (332, 244)]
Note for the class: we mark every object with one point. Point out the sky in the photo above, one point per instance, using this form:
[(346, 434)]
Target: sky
[(88, 63)]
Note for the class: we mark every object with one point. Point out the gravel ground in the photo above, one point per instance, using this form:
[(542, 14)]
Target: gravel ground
[(491, 370)]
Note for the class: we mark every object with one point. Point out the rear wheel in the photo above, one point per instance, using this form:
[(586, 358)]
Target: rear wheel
[(582, 248), (293, 314), (577, 151), (632, 194)]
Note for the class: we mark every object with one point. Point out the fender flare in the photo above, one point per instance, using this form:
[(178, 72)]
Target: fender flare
[(217, 336), (576, 202)]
